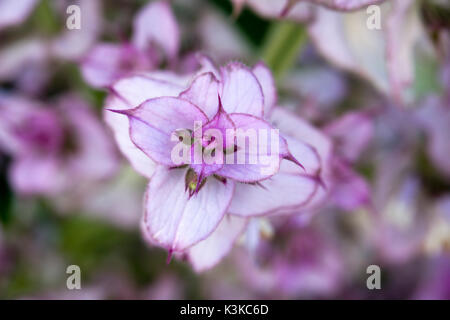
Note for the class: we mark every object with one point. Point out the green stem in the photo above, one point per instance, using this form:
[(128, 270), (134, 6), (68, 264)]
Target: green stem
[(45, 19), (282, 46)]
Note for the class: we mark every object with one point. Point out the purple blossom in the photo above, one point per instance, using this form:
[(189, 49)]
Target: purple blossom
[(52, 146), (154, 28), (185, 204)]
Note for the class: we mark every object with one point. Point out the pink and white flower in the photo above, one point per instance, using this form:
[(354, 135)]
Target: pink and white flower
[(188, 203)]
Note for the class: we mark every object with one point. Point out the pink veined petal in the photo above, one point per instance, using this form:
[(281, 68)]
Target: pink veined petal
[(177, 222), (207, 65), (259, 169), (292, 126), (138, 159), (182, 80), (240, 91), (209, 252), (129, 93), (307, 155), (267, 82), (153, 123), (203, 92), (136, 89), (284, 191), (156, 23), (298, 129), (292, 188), (14, 12)]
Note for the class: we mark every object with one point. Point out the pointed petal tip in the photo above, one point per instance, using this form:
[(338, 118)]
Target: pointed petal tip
[(124, 112), (291, 158), (320, 181), (220, 103), (259, 184)]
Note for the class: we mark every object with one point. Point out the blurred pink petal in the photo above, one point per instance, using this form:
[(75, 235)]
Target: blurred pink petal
[(344, 40), (350, 191), (117, 200), (434, 117), (37, 175), (351, 133), (156, 23), (50, 147), (400, 224), (221, 39), (106, 63), (19, 56), (73, 44), (310, 82), (435, 284), (96, 157), (384, 57), (14, 110), (311, 266), (15, 12)]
